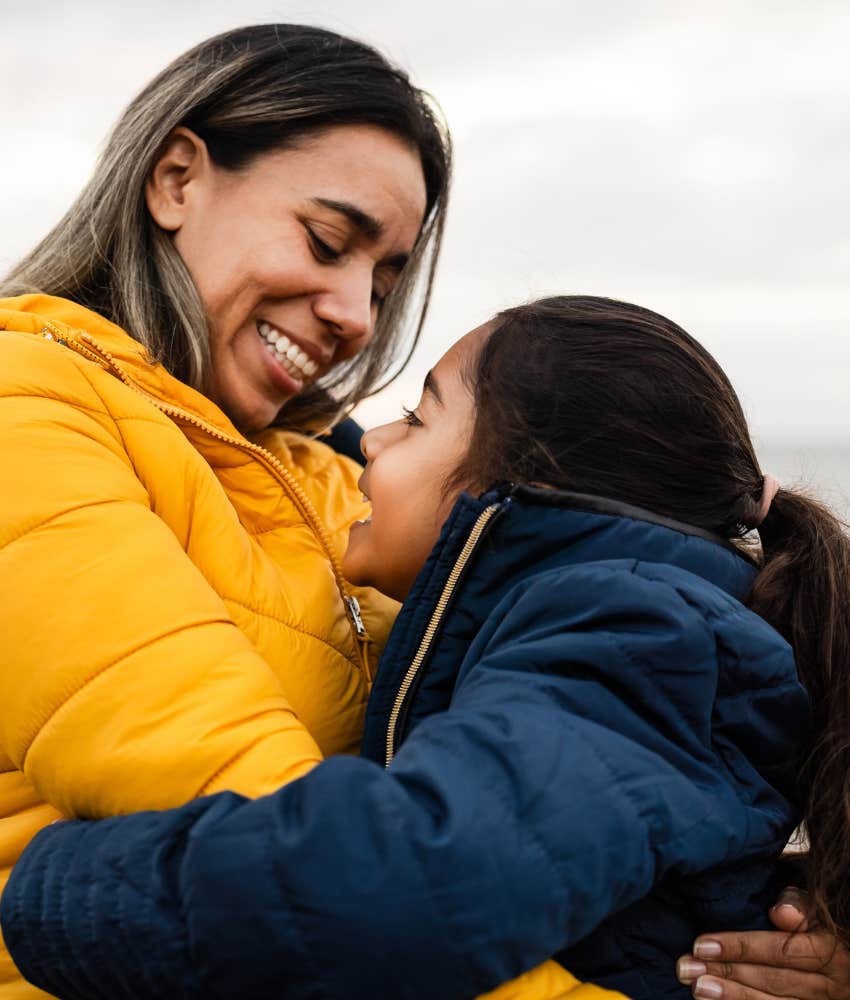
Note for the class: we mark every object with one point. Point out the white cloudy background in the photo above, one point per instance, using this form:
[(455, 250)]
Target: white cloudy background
[(691, 156)]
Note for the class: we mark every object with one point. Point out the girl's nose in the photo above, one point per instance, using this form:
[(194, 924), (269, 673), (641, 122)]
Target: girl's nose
[(374, 440)]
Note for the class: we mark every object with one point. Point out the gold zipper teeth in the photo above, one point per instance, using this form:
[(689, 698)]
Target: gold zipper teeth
[(94, 352), (433, 624)]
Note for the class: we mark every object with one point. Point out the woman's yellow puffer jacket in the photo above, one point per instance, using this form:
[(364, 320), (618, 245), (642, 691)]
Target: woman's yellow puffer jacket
[(172, 613)]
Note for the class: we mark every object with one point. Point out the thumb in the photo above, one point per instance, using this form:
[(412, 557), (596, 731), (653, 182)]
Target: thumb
[(791, 911)]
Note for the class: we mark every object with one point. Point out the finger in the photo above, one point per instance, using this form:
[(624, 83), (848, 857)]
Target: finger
[(787, 917), (801, 914), (708, 988), (808, 952), (773, 981)]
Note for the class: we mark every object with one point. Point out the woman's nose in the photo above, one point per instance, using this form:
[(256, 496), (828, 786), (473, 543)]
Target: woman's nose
[(347, 308)]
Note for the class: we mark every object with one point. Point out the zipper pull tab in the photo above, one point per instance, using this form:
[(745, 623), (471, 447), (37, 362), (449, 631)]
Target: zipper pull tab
[(354, 611)]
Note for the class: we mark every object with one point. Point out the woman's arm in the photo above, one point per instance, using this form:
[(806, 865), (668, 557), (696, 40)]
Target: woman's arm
[(124, 683), (496, 838)]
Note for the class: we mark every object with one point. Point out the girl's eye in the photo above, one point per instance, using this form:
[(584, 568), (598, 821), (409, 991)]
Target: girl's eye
[(323, 251), (410, 418)]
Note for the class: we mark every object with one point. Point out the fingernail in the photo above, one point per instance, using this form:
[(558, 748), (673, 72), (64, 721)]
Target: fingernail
[(791, 895), (788, 906), (708, 989), (706, 948), (687, 970)]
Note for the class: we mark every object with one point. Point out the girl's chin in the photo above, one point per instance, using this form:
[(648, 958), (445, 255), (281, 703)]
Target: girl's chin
[(354, 565)]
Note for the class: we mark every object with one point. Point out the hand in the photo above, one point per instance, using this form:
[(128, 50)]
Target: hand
[(792, 962)]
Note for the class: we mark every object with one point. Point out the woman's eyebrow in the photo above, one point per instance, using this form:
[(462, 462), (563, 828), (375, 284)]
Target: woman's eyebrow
[(368, 225), (430, 385)]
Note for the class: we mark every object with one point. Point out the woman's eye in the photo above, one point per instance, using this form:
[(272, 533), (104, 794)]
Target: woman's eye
[(385, 281), (410, 418), (323, 251)]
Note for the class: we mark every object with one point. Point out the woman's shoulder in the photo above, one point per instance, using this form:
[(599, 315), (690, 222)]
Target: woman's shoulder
[(57, 351), (34, 362)]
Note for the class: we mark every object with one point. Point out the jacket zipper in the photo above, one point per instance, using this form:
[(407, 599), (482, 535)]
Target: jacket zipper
[(475, 534), (92, 351)]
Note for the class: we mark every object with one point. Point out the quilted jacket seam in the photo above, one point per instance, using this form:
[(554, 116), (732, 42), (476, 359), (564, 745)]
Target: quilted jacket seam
[(30, 528), (291, 626), (99, 673), (228, 764), (273, 854)]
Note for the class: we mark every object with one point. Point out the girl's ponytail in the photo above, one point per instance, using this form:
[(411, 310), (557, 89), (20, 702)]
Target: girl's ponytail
[(803, 590)]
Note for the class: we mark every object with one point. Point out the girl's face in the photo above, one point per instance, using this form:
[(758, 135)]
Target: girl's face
[(291, 255), (408, 464)]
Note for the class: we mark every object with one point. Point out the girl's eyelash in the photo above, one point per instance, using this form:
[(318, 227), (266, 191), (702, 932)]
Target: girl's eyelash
[(324, 251), (410, 418)]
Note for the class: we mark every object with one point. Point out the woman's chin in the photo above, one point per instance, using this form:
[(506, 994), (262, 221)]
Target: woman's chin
[(252, 412)]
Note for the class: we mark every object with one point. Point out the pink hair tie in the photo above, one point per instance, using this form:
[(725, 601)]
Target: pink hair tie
[(769, 490)]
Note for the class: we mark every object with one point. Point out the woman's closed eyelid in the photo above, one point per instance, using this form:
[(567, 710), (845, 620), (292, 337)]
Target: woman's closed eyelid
[(383, 286), (321, 248)]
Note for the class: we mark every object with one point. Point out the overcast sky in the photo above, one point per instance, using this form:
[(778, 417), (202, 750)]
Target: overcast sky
[(690, 156)]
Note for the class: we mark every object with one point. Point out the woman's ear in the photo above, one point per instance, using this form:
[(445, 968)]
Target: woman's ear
[(184, 161)]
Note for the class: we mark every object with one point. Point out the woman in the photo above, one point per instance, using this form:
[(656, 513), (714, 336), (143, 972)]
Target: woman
[(264, 220), (589, 709), (245, 257)]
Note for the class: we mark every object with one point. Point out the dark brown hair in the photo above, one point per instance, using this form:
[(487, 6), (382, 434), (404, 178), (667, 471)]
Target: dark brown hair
[(244, 92), (597, 396)]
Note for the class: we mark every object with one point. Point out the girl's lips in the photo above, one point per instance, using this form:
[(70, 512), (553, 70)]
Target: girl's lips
[(368, 519)]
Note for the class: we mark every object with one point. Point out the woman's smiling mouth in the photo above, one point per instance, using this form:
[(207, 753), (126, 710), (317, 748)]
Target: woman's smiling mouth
[(287, 354)]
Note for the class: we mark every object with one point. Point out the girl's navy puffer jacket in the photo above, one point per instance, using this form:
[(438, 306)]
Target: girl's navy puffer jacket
[(594, 746)]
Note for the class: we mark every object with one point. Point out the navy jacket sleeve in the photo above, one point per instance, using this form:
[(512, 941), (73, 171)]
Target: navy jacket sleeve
[(567, 777)]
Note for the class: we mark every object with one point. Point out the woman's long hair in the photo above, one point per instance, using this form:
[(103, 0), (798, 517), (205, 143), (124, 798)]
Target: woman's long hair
[(598, 396), (244, 92)]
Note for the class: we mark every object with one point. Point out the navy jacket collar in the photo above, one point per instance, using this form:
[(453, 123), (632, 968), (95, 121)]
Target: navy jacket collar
[(570, 528)]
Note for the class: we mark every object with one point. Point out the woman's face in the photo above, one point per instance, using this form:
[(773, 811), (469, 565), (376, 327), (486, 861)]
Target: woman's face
[(408, 464), (292, 255)]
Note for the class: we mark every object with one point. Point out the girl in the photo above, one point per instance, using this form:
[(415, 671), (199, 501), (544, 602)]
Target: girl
[(590, 719)]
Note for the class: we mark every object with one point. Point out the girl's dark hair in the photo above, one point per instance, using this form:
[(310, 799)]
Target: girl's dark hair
[(597, 396), (245, 92)]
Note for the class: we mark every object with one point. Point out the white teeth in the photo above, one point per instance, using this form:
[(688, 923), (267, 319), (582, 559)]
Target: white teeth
[(289, 355)]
